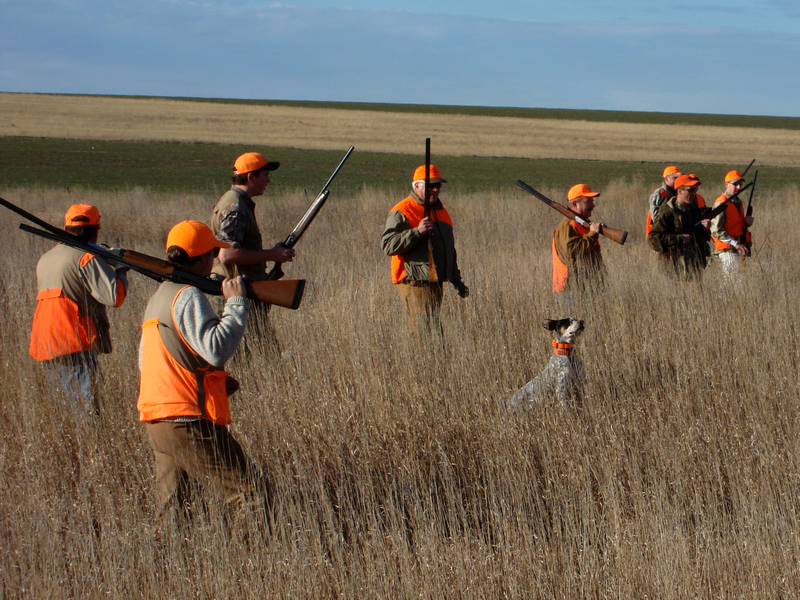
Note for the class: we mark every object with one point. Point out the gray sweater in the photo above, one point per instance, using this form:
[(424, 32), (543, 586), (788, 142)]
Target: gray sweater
[(214, 338)]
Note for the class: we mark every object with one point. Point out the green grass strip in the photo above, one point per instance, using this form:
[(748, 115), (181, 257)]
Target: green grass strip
[(206, 168)]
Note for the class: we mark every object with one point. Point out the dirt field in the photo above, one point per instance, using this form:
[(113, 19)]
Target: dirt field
[(328, 129)]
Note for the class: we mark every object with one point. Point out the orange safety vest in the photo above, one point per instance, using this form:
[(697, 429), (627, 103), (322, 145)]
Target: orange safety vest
[(734, 223), (414, 212), (175, 380), (560, 270), (60, 326)]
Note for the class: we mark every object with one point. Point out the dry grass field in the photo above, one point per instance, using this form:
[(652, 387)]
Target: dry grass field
[(106, 118), (397, 471)]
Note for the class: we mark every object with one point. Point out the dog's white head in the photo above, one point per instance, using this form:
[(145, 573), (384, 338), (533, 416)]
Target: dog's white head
[(565, 331)]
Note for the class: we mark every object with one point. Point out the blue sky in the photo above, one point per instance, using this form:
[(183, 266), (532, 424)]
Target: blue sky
[(731, 57)]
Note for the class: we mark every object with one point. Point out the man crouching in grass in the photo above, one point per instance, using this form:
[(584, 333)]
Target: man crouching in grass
[(183, 394)]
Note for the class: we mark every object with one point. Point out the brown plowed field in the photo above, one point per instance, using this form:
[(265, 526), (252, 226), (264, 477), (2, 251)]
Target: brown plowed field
[(141, 119)]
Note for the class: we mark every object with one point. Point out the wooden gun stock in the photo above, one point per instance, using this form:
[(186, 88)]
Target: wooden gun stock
[(616, 235), (285, 292)]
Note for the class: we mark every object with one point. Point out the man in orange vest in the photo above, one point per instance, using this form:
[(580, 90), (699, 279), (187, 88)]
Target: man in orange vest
[(70, 325), (577, 261), (728, 227), (183, 391), (661, 195), (423, 252)]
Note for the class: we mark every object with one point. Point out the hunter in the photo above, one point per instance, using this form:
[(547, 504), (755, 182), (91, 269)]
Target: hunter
[(183, 390), (577, 260), (423, 252), (234, 222), (70, 325), (731, 243), (680, 234)]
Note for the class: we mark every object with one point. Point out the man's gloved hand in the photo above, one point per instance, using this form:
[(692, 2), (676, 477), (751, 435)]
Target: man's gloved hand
[(462, 289)]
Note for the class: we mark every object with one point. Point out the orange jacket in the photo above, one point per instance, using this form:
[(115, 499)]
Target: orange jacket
[(175, 380), (70, 310)]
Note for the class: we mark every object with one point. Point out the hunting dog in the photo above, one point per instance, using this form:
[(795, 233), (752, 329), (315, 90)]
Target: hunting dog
[(563, 375)]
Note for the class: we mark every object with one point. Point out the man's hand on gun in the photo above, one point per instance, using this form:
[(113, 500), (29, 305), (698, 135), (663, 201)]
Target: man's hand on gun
[(425, 226), (282, 253), (231, 288)]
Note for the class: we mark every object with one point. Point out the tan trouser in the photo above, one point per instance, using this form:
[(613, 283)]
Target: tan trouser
[(423, 303), (207, 454)]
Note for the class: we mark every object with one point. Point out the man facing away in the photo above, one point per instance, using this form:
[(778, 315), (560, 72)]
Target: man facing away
[(423, 252), (676, 235), (577, 260), (234, 222), (728, 227), (70, 325), (183, 391), (661, 195)]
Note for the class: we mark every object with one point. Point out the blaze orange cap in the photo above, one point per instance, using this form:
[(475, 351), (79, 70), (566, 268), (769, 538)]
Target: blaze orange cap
[(194, 237), (733, 177), (580, 190), (686, 180), (436, 175), (253, 161), (82, 214), (671, 170)]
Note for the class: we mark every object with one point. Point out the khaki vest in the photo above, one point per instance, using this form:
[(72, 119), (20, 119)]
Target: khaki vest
[(176, 381)]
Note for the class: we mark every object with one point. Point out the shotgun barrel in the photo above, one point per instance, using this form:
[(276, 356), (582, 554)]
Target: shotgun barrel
[(277, 272), (616, 235)]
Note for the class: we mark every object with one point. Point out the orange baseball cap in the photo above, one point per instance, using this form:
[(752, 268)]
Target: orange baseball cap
[(580, 190), (82, 214), (253, 161), (194, 237), (671, 170), (436, 175), (690, 180), (733, 177)]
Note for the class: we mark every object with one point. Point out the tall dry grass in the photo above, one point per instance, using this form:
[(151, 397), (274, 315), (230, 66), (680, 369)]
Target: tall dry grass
[(397, 472)]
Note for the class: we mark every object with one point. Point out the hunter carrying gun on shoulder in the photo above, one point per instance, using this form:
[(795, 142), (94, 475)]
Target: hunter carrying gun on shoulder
[(422, 247)]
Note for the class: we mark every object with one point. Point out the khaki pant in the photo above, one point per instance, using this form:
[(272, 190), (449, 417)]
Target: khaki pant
[(208, 455), (423, 302)]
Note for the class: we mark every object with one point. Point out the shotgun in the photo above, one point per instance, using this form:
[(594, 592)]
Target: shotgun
[(277, 272), (617, 235), (711, 213), (748, 167), (441, 270), (749, 213), (283, 293)]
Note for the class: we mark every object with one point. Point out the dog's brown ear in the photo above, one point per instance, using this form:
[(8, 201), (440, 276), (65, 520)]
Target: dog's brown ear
[(549, 324)]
